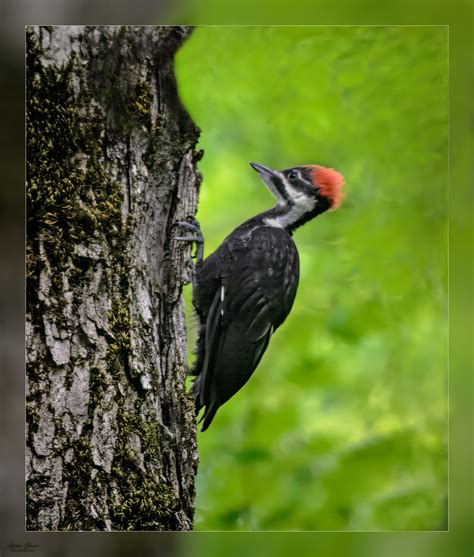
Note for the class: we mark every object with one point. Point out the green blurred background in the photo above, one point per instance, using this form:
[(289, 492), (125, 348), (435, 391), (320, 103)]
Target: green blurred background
[(344, 424)]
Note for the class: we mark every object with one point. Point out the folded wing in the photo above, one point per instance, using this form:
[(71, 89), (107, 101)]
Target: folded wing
[(251, 298)]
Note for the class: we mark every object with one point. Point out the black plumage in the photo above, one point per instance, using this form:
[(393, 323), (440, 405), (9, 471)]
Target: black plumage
[(245, 290)]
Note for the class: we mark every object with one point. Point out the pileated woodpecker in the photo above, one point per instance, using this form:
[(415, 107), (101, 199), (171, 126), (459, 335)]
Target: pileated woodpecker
[(244, 290)]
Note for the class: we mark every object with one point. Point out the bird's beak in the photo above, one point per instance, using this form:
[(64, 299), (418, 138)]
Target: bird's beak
[(272, 179), (260, 168)]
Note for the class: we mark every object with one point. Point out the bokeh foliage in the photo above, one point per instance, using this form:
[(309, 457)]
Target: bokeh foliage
[(344, 424)]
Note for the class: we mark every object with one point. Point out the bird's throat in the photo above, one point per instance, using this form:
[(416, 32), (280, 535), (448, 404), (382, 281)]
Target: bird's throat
[(291, 216)]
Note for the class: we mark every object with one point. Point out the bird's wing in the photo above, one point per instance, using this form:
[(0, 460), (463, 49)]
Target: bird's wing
[(240, 322), (234, 347)]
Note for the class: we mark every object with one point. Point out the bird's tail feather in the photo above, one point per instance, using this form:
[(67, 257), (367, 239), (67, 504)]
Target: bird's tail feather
[(209, 415)]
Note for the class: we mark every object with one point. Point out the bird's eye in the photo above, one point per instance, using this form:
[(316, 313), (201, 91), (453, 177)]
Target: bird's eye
[(292, 175)]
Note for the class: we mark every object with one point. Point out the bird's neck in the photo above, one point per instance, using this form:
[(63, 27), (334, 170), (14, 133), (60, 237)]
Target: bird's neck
[(290, 216)]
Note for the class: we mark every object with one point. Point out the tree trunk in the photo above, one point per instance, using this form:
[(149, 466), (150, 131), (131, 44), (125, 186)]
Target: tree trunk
[(111, 442)]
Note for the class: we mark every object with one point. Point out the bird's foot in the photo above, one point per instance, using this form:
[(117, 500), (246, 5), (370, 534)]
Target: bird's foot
[(194, 237)]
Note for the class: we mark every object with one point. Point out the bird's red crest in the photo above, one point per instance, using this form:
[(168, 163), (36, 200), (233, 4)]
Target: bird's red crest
[(330, 183)]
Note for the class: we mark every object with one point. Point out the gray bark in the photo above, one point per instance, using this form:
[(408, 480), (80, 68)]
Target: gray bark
[(111, 441)]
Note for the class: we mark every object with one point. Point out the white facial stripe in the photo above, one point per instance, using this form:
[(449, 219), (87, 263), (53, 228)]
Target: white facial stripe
[(306, 181), (303, 178), (288, 186), (291, 192), (301, 206)]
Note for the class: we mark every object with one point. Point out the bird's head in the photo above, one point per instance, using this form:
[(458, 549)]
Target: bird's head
[(305, 187)]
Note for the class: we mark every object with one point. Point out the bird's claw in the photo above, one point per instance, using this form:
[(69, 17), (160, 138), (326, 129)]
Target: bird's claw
[(196, 237)]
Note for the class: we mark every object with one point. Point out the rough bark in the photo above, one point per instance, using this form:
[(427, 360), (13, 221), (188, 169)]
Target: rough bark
[(111, 441)]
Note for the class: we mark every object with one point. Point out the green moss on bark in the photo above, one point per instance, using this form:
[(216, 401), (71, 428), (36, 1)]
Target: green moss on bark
[(119, 324), (97, 386), (71, 198), (140, 501), (148, 505)]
